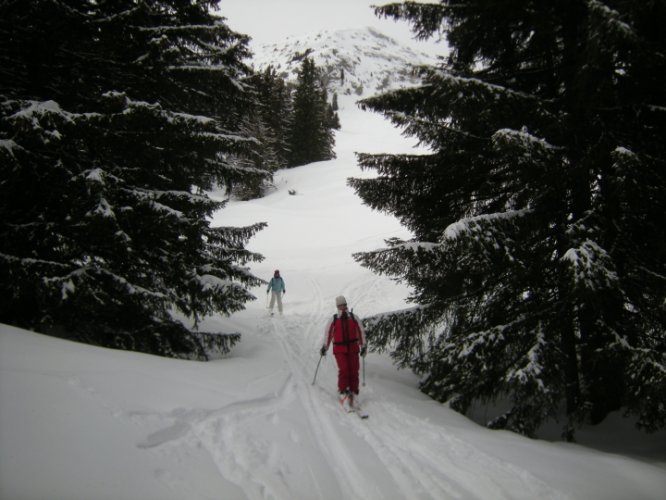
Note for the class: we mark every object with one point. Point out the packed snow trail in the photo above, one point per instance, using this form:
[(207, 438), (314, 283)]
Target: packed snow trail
[(421, 460), (265, 445)]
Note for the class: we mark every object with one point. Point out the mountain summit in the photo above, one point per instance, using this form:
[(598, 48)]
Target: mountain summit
[(358, 62)]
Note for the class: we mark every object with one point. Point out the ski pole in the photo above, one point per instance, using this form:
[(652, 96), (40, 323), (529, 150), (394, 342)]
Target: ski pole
[(317, 370), (363, 371)]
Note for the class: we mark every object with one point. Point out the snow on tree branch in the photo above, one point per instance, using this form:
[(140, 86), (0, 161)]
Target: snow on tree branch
[(591, 267), (465, 226)]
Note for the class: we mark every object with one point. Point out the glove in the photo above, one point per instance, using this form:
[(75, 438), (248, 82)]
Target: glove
[(364, 350), (284, 291), (323, 350)]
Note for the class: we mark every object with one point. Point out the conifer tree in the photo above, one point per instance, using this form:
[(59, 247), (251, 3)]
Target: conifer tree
[(333, 120), (311, 137), (268, 123), (262, 158), (275, 108), (538, 263), (114, 119)]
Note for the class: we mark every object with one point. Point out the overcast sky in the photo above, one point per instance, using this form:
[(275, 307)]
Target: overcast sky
[(268, 21)]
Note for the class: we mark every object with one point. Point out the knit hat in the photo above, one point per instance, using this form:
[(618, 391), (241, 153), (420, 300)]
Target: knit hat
[(340, 301)]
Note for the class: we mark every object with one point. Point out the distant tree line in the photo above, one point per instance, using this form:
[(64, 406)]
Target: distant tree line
[(538, 263), (292, 122)]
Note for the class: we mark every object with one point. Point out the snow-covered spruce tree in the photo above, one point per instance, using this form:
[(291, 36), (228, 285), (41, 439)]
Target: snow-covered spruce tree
[(269, 122), (262, 156), (332, 118), (274, 98), (115, 116), (538, 263), (311, 137)]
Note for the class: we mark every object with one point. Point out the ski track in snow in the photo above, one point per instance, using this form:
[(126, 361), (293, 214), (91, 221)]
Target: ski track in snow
[(422, 460), (408, 455)]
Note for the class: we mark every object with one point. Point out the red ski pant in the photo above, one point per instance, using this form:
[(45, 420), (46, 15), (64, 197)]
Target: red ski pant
[(348, 365)]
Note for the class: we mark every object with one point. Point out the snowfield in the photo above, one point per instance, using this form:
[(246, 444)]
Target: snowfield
[(80, 422)]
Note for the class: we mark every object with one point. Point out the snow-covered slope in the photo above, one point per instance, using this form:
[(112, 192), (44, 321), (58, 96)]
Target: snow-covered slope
[(80, 422), (356, 62)]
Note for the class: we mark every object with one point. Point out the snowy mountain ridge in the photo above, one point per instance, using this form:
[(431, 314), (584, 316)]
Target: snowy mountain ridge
[(359, 62)]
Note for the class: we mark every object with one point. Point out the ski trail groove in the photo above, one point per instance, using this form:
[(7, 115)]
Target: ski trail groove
[(463, 470), (321, 415), (406, 446)]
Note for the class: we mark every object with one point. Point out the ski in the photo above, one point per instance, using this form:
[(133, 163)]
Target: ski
[(349, 407), (361, 414)]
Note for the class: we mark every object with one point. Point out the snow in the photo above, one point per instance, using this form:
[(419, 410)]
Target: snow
[(478, 85), (522, 137), (591, 266), (612, 17), (95, 175), (291, 18), (81, 422), (453, 231), (208, 281), (354, 61), (9, 145), (103, 209)]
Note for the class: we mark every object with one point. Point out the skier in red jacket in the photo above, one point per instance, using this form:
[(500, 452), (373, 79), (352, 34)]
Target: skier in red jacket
[(346, 332)]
